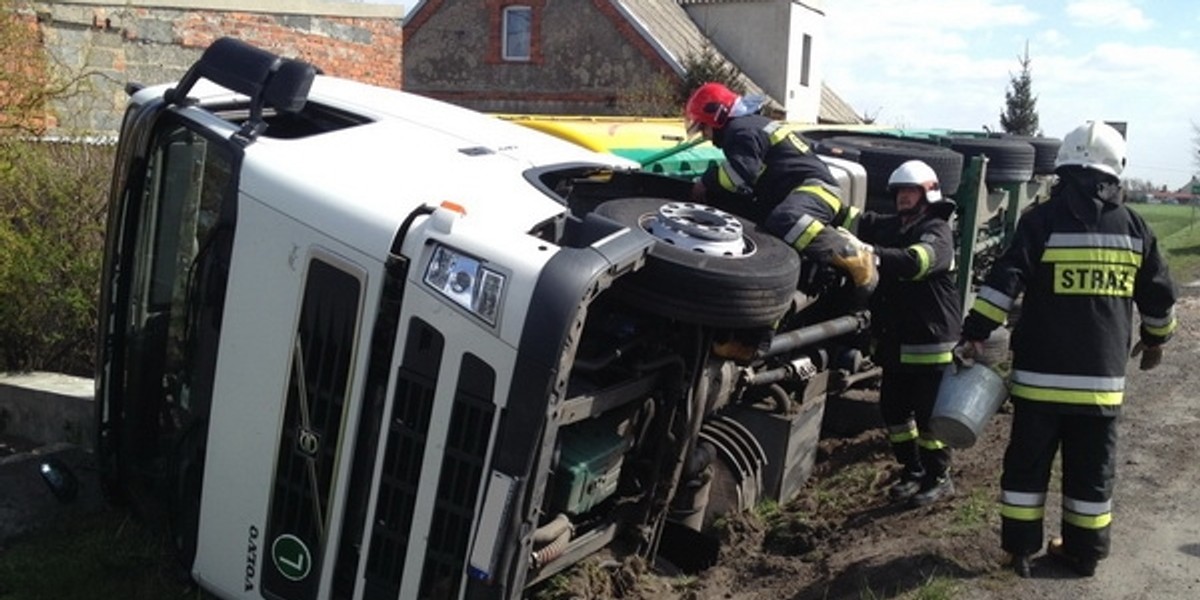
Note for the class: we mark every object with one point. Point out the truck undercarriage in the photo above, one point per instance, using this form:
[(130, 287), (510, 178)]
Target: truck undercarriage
[(656, 435)]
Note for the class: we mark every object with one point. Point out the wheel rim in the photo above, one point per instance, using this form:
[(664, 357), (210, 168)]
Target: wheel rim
[(698, 228)]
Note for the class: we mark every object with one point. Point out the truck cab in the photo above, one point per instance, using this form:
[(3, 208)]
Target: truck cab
[(356, 343)]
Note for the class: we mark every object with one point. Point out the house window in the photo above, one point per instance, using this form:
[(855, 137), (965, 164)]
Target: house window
[(805, 59), (517, 33), (514, 27)]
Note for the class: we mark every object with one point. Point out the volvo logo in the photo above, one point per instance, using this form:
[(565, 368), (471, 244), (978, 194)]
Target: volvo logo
[(308, 442)]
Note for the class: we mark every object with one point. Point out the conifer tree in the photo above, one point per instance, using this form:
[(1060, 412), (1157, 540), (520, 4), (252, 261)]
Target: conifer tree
[(1020, 105)]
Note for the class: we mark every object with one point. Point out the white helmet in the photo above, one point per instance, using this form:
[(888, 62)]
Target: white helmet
[(1094, 145), (915, 172)]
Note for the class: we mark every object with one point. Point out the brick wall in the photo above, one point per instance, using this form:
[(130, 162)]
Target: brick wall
[(119, 41), (586, 58)]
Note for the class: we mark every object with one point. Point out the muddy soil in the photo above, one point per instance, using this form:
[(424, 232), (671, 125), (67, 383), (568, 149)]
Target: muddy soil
[(843, 539)]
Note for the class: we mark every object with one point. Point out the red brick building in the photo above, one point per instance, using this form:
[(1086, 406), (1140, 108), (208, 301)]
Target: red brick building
[(103, 44), (616, 57)]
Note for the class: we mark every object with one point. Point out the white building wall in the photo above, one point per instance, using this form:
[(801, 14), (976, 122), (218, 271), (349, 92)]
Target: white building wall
[(765, 38)]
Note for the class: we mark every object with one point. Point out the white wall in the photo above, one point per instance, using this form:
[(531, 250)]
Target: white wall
[(765, 39)]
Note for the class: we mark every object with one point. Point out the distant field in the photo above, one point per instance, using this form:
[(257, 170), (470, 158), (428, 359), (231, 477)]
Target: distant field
[(1178, 231)]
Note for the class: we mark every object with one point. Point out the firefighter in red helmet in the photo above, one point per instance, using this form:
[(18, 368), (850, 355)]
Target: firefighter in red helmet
[(772, 175)]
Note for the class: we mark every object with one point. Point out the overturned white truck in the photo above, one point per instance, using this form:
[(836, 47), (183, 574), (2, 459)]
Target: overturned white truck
[(360, 344)]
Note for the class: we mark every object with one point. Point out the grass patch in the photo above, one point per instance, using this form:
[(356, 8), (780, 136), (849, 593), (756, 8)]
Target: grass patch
[(845, 490), (1178, 231), (935, 588), (597, 578), (104, 555), (974, 514), (803, 526), (768, 510)]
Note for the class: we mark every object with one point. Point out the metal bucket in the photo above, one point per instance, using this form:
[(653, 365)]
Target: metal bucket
[(966, 399)]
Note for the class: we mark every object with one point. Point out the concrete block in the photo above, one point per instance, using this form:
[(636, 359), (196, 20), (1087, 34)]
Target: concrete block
[(71, 15), (297, 22), (48, 407), (156, 31)]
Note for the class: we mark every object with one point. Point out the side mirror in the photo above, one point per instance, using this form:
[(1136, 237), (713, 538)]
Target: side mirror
[(287, 89), (268, 80)]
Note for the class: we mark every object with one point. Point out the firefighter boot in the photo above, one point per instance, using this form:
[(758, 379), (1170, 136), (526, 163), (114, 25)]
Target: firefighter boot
[(857, 260), (933, 489), (906, 486), (1085, 567), (1021, 564)]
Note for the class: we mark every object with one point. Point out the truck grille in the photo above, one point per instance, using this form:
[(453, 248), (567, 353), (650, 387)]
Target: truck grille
[(460, 479), (309, 441), (406, 438)]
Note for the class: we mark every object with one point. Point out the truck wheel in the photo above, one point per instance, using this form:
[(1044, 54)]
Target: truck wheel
[(709, 267), (881, 155), (1009, 160)]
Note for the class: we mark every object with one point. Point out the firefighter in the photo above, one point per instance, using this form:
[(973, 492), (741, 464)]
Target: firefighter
[(915, 318), (772, 176), (1084, 262)]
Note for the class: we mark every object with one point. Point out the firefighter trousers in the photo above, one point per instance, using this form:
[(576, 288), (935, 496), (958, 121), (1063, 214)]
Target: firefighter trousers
[(906, 399), (805, 221), (815, 222), (1088, 444)]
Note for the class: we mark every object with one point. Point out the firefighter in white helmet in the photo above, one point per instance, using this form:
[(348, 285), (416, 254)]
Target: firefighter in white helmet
[(915, 320), (1083, 262)]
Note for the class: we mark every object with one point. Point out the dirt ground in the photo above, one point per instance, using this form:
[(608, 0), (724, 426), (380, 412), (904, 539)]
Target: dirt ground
[(843, 539)]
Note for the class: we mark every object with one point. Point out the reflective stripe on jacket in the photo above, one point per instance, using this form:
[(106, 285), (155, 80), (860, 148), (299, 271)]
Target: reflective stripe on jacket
[(813, 206)]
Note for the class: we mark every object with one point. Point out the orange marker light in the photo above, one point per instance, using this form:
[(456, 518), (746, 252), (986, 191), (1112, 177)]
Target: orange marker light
[(454, 206)]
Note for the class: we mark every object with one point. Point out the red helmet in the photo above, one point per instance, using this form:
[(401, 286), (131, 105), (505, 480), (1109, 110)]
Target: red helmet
[(709, 105)]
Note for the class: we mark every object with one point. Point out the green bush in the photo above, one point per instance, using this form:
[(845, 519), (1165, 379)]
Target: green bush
[(53, 199)]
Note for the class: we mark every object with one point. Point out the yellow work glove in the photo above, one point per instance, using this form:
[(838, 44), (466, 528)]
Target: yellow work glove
[(857, 260)]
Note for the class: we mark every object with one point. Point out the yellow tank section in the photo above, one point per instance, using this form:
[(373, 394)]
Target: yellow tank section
[(660, 145)]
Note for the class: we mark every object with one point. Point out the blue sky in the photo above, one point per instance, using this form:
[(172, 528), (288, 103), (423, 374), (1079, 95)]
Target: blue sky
[(947, 63)]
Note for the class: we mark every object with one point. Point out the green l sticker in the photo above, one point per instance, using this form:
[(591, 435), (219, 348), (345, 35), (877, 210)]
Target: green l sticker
[(291, 557)]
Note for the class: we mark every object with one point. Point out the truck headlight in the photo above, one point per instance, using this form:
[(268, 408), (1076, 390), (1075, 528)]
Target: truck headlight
[(465, 281)]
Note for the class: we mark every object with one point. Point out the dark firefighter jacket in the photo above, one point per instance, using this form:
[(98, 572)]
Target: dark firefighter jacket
[(1083, 264), (765, 160), (916, 312)]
